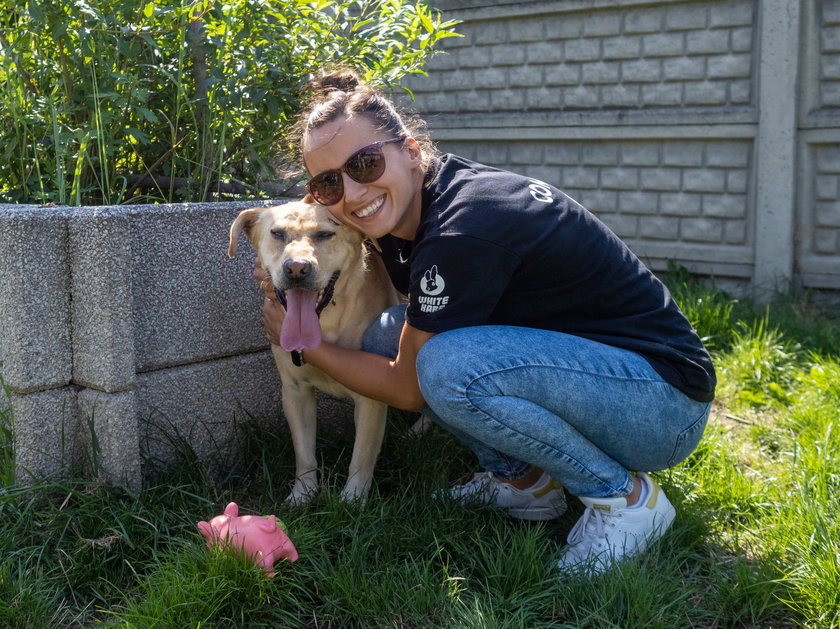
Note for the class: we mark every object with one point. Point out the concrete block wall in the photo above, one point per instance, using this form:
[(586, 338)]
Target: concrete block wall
[(671, 200), (817, 220), (133, 322), (701, 131), (568, 56)]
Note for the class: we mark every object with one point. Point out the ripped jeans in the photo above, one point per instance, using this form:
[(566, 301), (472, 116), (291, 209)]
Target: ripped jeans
[(585, 412)]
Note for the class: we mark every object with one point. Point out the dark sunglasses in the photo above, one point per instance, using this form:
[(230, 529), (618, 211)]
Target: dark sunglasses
[(365, 166)]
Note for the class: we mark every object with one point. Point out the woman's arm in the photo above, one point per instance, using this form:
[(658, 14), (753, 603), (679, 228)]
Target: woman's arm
[(391, 381)]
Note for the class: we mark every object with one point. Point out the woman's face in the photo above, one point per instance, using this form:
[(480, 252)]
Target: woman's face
[(389, 205)]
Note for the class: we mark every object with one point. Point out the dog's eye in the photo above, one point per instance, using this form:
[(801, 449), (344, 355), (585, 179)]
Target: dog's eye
[(278, 234), (321, 236)]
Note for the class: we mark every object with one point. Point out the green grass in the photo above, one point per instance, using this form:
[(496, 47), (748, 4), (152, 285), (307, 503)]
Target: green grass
[(756, 542)]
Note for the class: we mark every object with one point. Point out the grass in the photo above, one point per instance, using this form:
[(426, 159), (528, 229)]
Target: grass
[(756, 542)]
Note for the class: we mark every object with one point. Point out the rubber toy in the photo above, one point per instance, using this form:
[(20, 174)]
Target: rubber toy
[(260, 538)]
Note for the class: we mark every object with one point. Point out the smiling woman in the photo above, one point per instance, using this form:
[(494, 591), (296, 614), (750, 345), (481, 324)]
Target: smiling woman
[(532, 333)]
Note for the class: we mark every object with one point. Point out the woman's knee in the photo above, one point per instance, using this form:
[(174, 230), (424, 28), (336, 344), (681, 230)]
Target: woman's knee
[(383, 334), (439, 370)]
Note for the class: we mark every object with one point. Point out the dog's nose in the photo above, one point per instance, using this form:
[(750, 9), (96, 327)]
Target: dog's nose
[(296, 269)]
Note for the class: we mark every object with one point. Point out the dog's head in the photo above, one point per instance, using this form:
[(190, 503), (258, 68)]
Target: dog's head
[(300, 244), (304, 249)]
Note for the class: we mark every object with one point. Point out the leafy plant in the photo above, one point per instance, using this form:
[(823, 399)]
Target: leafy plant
[(115, 101)]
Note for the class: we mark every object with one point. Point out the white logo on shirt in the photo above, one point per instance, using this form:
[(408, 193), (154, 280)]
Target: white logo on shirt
[(540, 191), (432, 285)]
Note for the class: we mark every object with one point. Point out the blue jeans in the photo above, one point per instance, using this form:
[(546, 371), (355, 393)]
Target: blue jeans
[(585, 412)]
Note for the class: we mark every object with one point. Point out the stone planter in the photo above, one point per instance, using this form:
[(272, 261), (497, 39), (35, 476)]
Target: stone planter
[(130, 321)]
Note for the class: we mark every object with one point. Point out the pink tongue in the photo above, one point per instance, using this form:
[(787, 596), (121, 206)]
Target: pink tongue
[(301, 329)]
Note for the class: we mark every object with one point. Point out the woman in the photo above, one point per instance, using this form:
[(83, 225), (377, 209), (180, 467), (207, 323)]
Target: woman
[(532, 332)]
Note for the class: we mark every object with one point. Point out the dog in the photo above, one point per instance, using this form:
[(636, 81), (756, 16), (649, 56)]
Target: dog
[(332, 287)]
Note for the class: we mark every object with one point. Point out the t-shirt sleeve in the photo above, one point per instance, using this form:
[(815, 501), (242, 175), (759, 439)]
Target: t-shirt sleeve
[(457, 281)]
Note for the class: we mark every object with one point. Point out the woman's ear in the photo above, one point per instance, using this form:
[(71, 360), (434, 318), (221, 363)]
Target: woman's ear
[(414, 151)]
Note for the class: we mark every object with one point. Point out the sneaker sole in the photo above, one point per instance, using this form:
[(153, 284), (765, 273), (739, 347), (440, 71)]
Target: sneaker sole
[(535, 513)]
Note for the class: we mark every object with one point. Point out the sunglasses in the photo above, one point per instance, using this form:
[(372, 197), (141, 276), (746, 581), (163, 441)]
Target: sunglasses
[(364, 166)]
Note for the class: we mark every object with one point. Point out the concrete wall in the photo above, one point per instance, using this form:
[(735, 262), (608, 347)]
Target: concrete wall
[(701, 131), (131, 321)]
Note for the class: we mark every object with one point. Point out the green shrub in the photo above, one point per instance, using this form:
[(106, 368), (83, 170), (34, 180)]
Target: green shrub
[(115, 101)]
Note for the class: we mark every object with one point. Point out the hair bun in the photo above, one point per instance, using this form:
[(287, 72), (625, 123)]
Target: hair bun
[(336, 81)]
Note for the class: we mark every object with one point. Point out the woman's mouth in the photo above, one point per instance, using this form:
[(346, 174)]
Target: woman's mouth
[(370, 210)]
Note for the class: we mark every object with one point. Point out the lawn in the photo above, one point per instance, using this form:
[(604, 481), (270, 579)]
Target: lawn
[(755, 544)]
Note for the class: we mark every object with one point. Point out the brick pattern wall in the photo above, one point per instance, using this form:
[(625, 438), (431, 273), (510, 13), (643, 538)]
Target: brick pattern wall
[(693, 192), (648, 113), (683, 55), (818, 216), (829, 61), (825, 215)]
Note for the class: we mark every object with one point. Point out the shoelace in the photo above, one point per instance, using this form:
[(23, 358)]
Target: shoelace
[(592, 516)]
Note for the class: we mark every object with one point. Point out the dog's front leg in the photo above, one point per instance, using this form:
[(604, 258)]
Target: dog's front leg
[(370, 417), (300, 408)]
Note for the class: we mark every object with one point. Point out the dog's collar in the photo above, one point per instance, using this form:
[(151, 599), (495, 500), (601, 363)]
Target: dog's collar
[(326, 298)]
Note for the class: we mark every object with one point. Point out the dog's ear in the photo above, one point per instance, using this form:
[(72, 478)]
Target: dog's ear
[(244, 222), (308, 198)]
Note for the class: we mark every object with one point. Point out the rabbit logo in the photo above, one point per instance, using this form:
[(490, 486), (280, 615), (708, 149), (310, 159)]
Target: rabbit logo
[(432, 286), (432, 283)]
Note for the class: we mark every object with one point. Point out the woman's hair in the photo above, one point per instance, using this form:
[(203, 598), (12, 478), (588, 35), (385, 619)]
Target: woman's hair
[(340, 93)]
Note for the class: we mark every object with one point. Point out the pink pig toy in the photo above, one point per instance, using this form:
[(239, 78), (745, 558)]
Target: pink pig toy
[(259, 538)]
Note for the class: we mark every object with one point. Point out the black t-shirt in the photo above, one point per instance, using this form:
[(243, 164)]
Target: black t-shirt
[(497, 248)]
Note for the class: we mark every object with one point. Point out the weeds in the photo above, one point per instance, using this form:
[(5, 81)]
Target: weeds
[(116, 101), (755, 543)]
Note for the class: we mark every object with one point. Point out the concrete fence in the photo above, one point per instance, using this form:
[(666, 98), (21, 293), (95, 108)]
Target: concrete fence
[(702, 131), (131, 322)]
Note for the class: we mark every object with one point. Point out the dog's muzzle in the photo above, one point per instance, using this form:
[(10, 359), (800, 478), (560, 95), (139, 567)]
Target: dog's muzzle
[(326, 294)]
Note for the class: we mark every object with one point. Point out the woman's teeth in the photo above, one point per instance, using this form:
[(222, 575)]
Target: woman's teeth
[(370, 209)]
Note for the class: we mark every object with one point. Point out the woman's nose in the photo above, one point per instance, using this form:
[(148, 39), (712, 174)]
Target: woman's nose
[(353, 190)]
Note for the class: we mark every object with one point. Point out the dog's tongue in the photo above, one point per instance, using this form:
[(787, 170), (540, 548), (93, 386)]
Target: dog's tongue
[(301, 329)]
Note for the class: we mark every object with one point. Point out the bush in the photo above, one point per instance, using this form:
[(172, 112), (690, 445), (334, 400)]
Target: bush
[(115, 101)]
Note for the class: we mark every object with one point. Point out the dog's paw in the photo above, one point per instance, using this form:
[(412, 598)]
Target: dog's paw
[(301, 495), (356, 493), (298, 500)]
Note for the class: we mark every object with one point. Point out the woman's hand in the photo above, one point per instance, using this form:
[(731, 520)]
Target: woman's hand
[(263, 280), (273, 312)]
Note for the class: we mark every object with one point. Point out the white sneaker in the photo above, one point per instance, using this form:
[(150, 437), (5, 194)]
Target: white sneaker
[(544, 500), (609, 531)]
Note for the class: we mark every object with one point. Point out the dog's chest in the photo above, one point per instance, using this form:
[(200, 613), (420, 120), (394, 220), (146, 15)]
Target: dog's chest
[(301, 378), (345, 319)]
